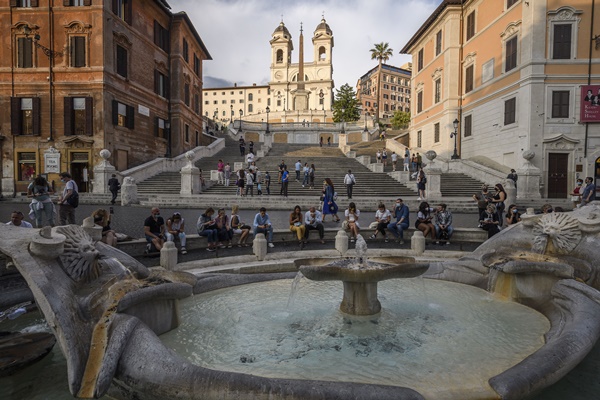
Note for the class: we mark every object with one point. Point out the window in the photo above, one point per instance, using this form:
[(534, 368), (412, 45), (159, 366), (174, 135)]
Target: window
[(436, 133), (159, 128), (25, 116), (419, 138), (225, 102), (510, 3), (24, 3), (278, 103), (123, 115), (27, 166), (185, 51), (24, 53), (78, 113), (279, 56), (420, 60), (196, 65), (122, 61), (510, 111), (196, 103), (438, 43), (438, 90), (122, 9), (560, 104), (250, 108), (386, 107), (206, 102), (77, 3), (77, 52), (197, 138), (469, 79), (250, 96), (511, 54), (470, 25), (161, 84), (561, 44), (186, 94), (187, 133), (467, 126), (215, 102), (419, 102), (161, 36)]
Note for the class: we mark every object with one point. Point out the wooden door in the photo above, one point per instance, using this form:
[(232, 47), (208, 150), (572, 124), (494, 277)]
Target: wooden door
[(558, 166)]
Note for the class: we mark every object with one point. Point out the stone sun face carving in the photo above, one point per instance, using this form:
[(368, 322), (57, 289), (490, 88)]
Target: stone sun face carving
[(80, 258), (556, 233)]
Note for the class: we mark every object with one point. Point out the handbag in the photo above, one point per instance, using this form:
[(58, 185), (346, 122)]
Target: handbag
[(73, 199)]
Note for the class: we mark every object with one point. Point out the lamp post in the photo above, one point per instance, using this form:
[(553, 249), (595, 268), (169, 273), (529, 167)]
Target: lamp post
[(455, 156), (241, 113), (267, 110), (168, 129), (366, 115), (51, 54), (232, 114), (343, 120)]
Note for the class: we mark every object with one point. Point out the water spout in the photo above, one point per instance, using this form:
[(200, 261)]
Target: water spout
[(361, 251)]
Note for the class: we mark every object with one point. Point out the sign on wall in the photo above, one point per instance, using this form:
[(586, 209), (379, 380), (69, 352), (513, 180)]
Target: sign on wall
[(52, 161), (590, 103)]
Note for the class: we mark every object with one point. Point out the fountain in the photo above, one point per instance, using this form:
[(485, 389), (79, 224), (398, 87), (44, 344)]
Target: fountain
[(360, 276), (107, 315)]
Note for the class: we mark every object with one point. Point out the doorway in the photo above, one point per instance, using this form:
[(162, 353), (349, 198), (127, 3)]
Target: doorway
[(558, 167), (80, 170)]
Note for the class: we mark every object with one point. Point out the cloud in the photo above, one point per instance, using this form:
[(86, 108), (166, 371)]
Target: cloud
[(237, 33)]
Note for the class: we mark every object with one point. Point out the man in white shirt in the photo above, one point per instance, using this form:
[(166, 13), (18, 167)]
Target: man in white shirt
[(313, 220), (349, 181), (298, 167), (394, 160), (16, 219), (250, 159), (66, 212)]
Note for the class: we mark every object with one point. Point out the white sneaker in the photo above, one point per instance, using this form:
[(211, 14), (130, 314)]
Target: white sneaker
[(271, 245), (183, 250), (419, 198)]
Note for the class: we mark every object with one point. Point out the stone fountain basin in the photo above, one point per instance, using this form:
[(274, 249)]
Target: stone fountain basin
[(348, 270)]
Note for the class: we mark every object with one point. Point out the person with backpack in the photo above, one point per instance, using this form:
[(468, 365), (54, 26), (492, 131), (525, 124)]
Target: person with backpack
[(69, 200), (349, 181)]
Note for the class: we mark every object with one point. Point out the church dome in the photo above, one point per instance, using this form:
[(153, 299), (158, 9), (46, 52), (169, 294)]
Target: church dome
[(324, 27), (282, 30)]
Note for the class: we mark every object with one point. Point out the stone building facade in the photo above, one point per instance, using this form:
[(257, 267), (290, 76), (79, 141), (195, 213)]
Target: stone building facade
[(395, 90), (80, 76), (511, 73)]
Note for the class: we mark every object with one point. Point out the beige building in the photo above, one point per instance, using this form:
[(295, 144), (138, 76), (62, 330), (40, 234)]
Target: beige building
[(511, 72), (395, 90), (230, 103)]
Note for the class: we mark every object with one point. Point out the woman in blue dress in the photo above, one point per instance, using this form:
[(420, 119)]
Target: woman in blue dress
[(329, 206)]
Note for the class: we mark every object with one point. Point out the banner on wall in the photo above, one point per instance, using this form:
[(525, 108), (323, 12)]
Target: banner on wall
[(590, 103)]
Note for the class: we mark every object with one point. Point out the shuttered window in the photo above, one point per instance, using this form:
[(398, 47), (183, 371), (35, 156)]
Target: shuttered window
[(24, 53), (560, 104), (78, 115), (436, 133), (561, 46), (510, 109), (78, 58), (468, 125), (25, 116), (470, 25), (122, 61), (511, 54), (469, 79)]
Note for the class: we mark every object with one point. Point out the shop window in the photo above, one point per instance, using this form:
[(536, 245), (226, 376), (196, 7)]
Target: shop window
[(27, 166)]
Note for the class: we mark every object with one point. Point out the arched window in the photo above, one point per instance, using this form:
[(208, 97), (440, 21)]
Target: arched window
[(250, 108), (322, 53), (250, 96), (279, 56)]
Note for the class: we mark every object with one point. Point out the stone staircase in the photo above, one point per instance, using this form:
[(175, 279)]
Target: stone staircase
[(329, 162), (460, 185)]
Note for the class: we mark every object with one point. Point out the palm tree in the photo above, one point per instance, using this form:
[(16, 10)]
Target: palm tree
[(381, 52)]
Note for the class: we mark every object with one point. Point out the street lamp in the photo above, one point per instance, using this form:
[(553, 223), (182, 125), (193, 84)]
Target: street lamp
[(366, 115), (268, 110), (232, 113), (455, 156), (343, 111)]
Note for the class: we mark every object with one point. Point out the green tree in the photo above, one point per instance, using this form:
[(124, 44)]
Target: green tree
[(381, 52), (346, 105), (400, 120)]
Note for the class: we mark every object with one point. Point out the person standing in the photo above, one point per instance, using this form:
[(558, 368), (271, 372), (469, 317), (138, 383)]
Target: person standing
[(577, 191), (311, 176), (413, 163), (378, 156), (394, 160), (66, 212), (329, 206), (498, 200), (114, 186), (401, 213), (313, 220), (305, 173), (39, 191), (329, 141), (221, 172), (268, 182), (262, 224), (227, 171), (321, 141), (589, 192), (154, 230), (298, 167), (281, 167), (242, 146), (419, 161), (249, 183), (176, 229), (406, 161), (384, 157), (513, 177), (285, 180), (16, 219), (443, 224), (349, 181), (482, 200), (251, 147), (250, 158), (421, 182)]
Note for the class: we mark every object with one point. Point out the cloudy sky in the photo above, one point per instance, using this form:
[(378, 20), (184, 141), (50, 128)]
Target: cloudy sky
[(237, 33)]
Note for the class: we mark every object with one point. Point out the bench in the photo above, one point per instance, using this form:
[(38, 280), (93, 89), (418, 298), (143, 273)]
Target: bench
[(136, 247)]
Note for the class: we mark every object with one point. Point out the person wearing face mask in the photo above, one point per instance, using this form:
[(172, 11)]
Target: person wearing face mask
[(66, 212), (498, 200), (313, 220), (576, 194), (154, 230), (401, 213)]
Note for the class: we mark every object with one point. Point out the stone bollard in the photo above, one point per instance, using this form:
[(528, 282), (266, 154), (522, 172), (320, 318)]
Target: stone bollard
[(417, 242), (168, 256), (48, 244), (341, 242), (95, 231), (259, 246)]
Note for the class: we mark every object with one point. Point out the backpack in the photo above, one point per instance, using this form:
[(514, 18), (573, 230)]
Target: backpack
[(424, 180), (73, 199)]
